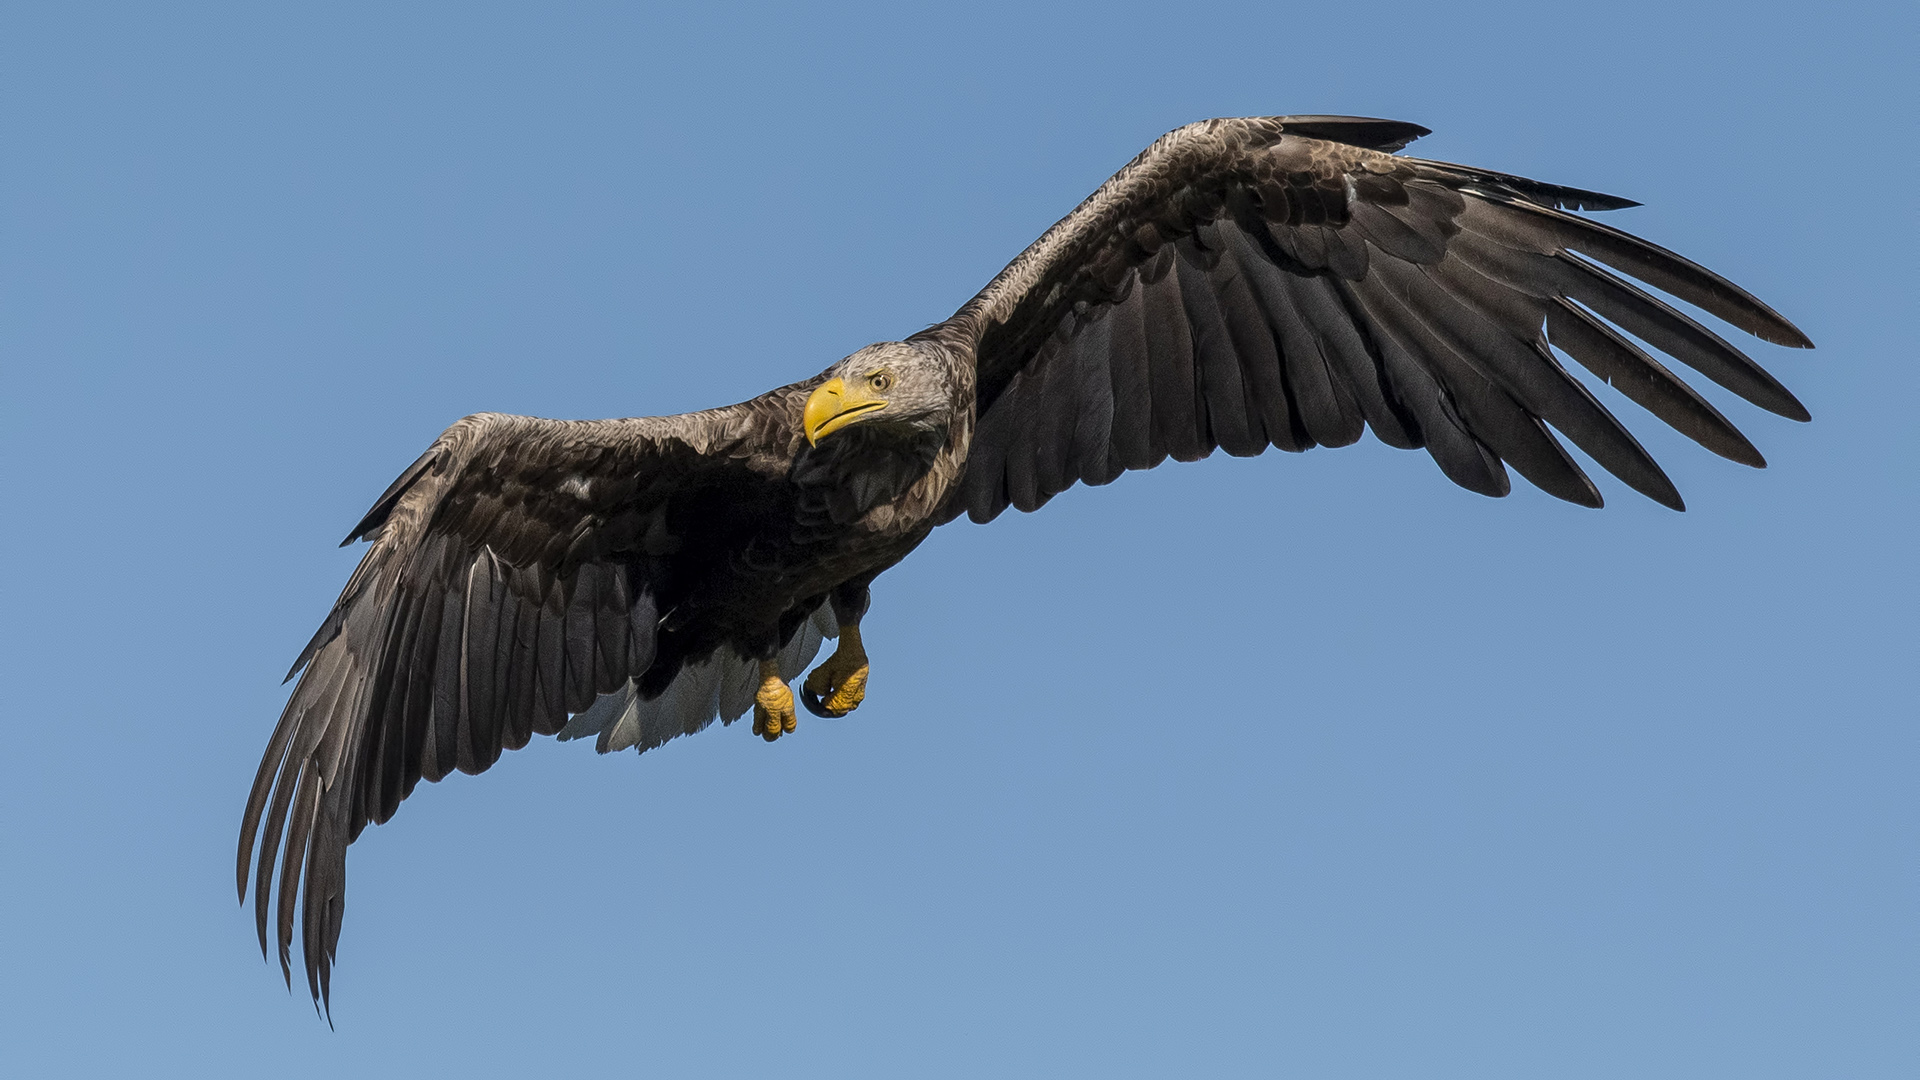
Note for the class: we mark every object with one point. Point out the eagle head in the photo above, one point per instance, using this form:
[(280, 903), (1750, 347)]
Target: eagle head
[(895, 383)]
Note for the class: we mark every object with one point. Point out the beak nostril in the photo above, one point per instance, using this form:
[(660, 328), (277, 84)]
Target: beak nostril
[(833, 405)]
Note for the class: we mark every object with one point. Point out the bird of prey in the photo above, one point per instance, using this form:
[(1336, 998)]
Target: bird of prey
[(1285, 281)]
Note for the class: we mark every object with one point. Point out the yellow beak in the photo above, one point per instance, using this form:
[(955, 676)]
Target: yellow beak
[(835, 405)]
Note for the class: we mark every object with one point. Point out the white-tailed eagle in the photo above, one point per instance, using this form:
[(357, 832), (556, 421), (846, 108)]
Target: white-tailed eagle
[(1244, 283)]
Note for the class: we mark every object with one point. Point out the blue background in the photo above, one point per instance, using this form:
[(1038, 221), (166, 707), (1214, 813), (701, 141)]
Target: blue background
[(1304, 766)]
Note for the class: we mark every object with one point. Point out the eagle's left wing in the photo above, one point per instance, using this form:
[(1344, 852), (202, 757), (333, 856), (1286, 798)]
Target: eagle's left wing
[(1289, 281)]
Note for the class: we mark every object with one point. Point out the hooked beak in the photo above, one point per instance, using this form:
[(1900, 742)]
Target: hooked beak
[(835, 405)]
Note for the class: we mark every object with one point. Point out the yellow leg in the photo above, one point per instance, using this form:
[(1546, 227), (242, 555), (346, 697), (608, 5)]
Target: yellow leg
[(838, 686), (773, 704)]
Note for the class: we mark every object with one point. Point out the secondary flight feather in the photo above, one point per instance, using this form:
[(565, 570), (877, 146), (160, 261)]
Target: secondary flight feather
[(1284, 281)]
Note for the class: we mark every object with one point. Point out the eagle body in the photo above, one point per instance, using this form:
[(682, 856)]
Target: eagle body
[(1283, 282)]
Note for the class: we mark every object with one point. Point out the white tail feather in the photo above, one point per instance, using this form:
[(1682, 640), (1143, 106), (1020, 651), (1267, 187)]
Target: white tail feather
[(720, 688)]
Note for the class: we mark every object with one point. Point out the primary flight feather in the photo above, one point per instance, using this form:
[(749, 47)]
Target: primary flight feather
[(1271, 281)]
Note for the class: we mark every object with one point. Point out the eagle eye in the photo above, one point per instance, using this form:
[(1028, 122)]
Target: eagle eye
[(880, 381)]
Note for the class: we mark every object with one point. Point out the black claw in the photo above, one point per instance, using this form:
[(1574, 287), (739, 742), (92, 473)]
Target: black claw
[(812, 701), (815, 706)]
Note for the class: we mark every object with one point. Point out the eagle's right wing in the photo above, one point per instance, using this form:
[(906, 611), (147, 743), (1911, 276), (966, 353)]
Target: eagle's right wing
[(511, 580)]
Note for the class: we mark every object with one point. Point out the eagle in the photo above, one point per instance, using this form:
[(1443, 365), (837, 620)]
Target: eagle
[(1244, 283)]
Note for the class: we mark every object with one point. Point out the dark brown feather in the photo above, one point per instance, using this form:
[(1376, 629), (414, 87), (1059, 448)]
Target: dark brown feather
[(1317, 309), (1532, 377), (1251, 323), (1219, 391), (1176, 420), (1486, 409), (1286, 229), (1093, 458), (1131, 373), (443, 650), (1627, 368)]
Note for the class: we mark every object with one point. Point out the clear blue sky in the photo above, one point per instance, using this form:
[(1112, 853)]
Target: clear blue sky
[(1308, 766)]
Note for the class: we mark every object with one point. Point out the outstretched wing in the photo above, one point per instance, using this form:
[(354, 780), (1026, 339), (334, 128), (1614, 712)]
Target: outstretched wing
[(1288, 281), (517, 572)]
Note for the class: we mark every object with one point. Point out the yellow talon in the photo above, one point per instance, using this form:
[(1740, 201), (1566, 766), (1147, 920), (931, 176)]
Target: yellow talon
[(837, 687), (773, 704)]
